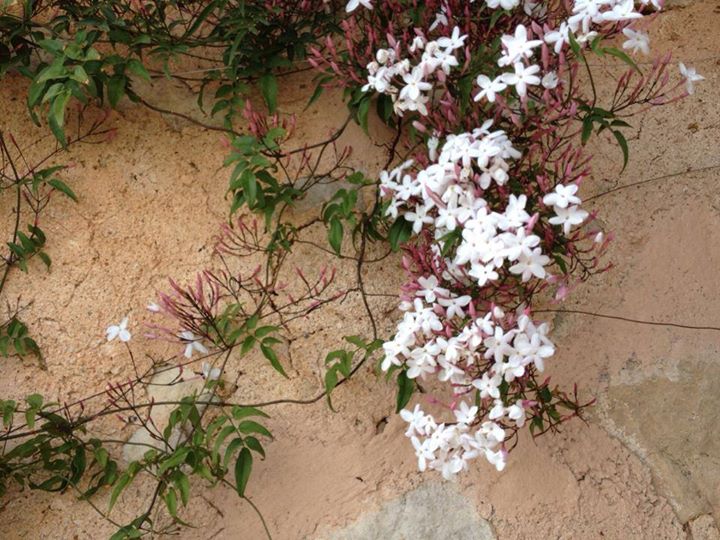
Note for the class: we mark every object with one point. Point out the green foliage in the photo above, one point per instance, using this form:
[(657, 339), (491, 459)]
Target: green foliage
[(599, 119), (256, 43), (252, 181), (340, 362), (14, 340)]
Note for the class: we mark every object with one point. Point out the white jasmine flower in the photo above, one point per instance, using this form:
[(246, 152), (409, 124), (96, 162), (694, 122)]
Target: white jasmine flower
[(455, 41), (621, 11), (210, 373), (119, 331), (517, 47), (558, 38), (497, 411), (531, 265), (691, 76), (152, 306), (440, 20), (489, 87), (550, 80), (193, 343), (488, 386), (517, 413), (496, 458), (352, 5), (414, 84), (637, 41), (465, 414), (563, 196), (523, 77), (504, 4), (568, 217)]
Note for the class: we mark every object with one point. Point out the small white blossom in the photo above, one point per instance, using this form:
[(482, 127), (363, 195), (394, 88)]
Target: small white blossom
[(193, 343), (504, 4), (637, 41), (210, 373), (119, 331), (563, 196), (568, 217), (550, 80), (489, 87), (691, 76), (523, 77), (352, 5)]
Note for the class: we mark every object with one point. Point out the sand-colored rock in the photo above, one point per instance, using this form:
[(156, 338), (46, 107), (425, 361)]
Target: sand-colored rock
[(417, 514), (671, 418)]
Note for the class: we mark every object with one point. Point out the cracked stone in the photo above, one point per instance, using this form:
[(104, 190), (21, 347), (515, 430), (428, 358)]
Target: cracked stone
[(703, 528), (433, 511), (670, 416)]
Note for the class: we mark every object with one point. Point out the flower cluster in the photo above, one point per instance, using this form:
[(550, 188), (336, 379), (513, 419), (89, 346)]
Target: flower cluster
[(481, 356), (493, 199), (408, 83), (495, 236), (442, 332)]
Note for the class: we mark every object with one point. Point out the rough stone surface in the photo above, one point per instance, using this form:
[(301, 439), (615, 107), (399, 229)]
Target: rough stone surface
[(433, 511), (703, 528), (670, 417)]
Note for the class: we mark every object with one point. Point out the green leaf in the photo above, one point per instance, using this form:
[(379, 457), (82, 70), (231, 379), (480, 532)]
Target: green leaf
[(63, 188), (35, 92), (121, 484), (253, 444), (269, 89), (8, 410), (587, 129), (250, 426), (400, 232), (274, 360), (56, 116), (116, 89), (56, 70), (335, 235), (318, 90), (574, 45), (27, 244), (243, 467), (183, 485), (362, 113), (44, 257), (34, 400), (247, 344), (617, 53), (264, 331), (136, 67), (623, 146), (243, 412), (406, 387), (175, 459), (231, 448), (171, 502)]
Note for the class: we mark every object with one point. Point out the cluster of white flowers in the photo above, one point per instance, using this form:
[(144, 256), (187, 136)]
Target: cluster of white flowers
[(409, 84), (440, 334), (448, 447), (447, 196), (589, 14)]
